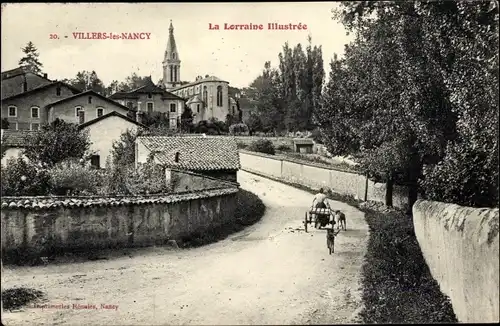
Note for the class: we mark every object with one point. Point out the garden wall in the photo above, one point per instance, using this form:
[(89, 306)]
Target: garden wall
[(318, 175), (461, 248), (34, 226)]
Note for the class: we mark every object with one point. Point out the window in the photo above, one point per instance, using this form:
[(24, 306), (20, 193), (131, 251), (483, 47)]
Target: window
[(78, 109), (35, 126), (95, 161), (219, 95), (205, 95), (198, 108), (171, 73), (100, 112), (173, 55), (90, 99), (172, 107), (58, 91), (35, 112), (12, 111), (14, 126), (150, 95), (150, 107)]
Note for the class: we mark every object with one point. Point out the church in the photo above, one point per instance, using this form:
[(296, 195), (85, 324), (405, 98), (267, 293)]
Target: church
[(207, 97)]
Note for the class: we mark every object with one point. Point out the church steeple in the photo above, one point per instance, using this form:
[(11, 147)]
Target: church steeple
[(171, 62)]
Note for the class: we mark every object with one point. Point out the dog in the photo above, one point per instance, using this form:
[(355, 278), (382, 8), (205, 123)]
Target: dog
[(340, 220), (330, 240)]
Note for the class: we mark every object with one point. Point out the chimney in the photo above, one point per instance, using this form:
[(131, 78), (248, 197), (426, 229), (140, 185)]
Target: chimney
[(138, 116), (177, 157), (45, 76)]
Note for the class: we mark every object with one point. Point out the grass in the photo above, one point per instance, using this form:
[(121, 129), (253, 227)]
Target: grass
[(397, 284), (16, 298), (249, 210)]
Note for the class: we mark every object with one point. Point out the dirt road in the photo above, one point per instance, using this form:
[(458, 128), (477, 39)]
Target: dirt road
[(270, 273)]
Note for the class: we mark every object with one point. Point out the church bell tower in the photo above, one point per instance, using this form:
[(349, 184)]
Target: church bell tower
[(171, 62)]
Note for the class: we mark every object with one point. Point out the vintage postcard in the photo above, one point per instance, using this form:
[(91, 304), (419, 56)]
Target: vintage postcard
[(249, 163)]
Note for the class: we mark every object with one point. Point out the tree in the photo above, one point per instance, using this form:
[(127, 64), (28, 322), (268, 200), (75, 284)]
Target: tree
[(387, 102), (30, 59), (57, 142), (254, 123), (155, 119), (88, 80), (187, 120)]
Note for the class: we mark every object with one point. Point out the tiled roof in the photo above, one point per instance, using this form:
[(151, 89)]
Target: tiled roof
[(195, 153), (16, 138), (44, 203), (150, 87), (13, 81), (37, 88), (93, 93), (123, 95), (111, 114)]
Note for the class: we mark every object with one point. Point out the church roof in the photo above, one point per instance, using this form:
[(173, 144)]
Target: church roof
[(201, 80), (171, 46)]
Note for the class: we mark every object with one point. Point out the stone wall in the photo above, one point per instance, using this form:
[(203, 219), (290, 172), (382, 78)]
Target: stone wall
[(320, 175), (184, 181), (461, 248), (36, 226)]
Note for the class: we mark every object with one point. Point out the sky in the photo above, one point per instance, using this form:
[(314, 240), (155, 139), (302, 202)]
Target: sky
[(237, 56)]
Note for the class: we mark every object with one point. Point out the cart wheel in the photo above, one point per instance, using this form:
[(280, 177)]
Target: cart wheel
[(305, 223)]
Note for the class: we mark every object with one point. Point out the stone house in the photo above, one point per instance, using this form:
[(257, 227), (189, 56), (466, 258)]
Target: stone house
[(212, 156), (27, 110), (103, 131), (151, 98)]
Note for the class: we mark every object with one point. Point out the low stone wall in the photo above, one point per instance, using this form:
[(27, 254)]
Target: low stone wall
[(320, 175), (461, 248), (184, 181), (36, 226), (277, 141)]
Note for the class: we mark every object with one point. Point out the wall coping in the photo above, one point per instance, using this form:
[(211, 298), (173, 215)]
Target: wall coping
[(43, 203), (298, 161)]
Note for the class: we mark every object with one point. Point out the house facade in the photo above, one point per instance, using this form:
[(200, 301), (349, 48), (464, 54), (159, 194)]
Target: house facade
[(20, 80), (83, 107), (27, 110), (105, 130), (151, 98), (212, 156)]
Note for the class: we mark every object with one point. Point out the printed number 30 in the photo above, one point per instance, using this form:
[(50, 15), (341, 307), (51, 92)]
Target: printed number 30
[(53, 36)]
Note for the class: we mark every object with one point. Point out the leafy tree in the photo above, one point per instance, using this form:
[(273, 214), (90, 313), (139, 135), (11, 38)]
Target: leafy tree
[(187, 120), (88, 80), (57, 142), (22, 178), (155, 119), (254, 123), (30, 59), (387, 102)]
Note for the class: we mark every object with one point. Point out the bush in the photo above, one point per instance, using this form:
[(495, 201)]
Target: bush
[(74, 178), (284, 148), (241, 145), (147, 178), (238, 129), (262, 146), (21, 177)]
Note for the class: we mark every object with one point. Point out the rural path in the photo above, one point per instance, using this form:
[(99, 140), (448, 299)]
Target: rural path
[(270, 273)]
